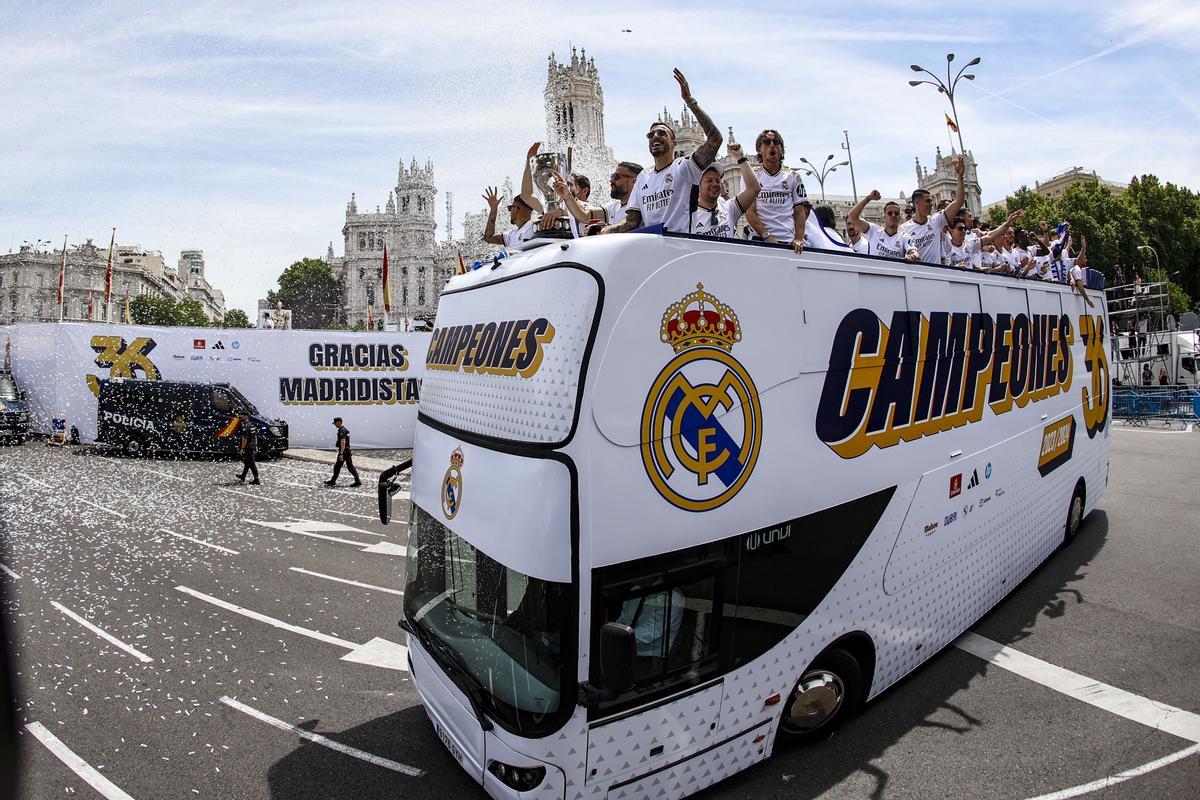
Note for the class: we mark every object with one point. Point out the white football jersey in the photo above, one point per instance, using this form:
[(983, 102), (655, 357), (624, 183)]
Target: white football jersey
[(517, 235), (927, 236), (614, 212), (663, 196), (881, 243), (777, 200), (965, 255), (720, 222)]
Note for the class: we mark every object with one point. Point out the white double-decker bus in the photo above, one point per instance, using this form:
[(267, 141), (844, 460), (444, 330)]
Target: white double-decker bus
[(675, 500)]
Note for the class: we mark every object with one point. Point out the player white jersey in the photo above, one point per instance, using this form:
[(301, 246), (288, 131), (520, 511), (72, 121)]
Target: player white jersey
[(614, 212), (882, 243), (860, 246), (720, 222), (927, 236), (777, 200), (663, 195), (966, 255), (517, 235)]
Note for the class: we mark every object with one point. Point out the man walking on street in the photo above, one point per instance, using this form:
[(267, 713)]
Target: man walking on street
[(248, 448), (344, 456)]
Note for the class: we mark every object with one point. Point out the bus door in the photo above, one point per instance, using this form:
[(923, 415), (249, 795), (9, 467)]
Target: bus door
[(673, 604)]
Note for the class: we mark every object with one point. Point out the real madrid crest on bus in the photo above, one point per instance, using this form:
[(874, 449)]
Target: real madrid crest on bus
[(702, 422), (452, 485)]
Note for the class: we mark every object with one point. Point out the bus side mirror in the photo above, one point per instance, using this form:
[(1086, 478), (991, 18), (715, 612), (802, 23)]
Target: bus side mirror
[(389, 484), (618, 652)]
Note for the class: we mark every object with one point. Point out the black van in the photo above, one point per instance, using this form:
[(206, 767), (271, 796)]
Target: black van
[(144, 417), (14, 410)]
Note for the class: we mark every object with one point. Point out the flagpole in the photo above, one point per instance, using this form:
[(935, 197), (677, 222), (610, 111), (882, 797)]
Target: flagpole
[(108, 279), (62, 282)]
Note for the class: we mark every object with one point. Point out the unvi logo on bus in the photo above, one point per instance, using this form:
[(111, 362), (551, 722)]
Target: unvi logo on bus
[(702, 422)]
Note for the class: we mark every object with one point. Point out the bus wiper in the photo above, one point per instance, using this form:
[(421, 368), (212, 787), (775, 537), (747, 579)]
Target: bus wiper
[(466, 682)]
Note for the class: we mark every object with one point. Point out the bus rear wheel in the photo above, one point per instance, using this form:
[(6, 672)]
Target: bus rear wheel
[(828, 691), (1074, 513)]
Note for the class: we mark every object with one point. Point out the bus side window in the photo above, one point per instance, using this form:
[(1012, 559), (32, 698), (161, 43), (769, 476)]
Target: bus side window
[(671, 610), (222, 402)]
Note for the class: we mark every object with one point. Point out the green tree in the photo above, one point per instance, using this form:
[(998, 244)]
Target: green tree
[(236, 318), (191, 313), (148, 309), (309, 289), (1170, 218)]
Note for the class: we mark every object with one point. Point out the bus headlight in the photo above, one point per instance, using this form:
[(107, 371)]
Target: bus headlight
[(275, 430), (520, 778)]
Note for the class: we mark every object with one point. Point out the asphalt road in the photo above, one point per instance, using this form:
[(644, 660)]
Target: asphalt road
[(245, 622)]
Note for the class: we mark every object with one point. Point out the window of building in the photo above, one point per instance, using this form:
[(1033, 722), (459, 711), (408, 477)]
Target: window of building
[(41, 280), (370, 240), (362, 241), (404, 203), (420, 203), (421, 286)]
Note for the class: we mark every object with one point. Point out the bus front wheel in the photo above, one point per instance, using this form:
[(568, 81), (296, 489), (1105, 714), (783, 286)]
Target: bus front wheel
[(826, 693)]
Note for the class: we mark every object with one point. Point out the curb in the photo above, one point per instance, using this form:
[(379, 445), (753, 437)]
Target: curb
[(328, 458)]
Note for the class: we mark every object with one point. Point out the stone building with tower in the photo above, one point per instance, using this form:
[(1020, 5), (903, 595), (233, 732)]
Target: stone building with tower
[(575, 119), (942, 182)]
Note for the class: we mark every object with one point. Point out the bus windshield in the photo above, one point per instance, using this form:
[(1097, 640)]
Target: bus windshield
[(498, 632), (8, 388), (243, 401)]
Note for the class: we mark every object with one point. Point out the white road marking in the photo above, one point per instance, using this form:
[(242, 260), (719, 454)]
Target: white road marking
[(249, 495), (306, 527), (377, 652), (347, 580), (76, 764), (1134, 707), (10, 573), (103, 634), (245, 612), (350, 514), (1120, 777), (167, 475), (75, 499), (317, 738), (380, 653), (201, 541), (102, 508)]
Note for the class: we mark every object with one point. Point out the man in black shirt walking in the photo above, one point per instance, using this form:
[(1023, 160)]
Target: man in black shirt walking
[(248, 448), (344, 456)]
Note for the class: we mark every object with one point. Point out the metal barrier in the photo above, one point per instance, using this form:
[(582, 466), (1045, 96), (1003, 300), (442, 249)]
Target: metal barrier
[(1162, 405)]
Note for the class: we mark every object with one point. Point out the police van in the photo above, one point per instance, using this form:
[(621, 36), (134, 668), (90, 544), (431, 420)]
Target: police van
[(14, 410), (677, 500), (143, 417)]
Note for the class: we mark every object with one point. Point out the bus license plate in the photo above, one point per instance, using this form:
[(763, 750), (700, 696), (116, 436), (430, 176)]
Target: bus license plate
[(446, 740)]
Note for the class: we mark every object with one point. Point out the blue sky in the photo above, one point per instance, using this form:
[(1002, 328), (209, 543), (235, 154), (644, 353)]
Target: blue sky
[(242, 129)]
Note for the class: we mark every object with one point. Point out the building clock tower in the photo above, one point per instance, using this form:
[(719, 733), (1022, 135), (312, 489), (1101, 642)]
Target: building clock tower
[(575, 119)]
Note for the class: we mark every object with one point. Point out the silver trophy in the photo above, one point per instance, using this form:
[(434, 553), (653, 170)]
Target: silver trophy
[(545, 167)]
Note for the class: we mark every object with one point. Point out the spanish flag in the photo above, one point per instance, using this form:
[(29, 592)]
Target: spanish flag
[(108, 275), (950, 124), (370, 320), (387, 287), (229, 430), (462, 265)]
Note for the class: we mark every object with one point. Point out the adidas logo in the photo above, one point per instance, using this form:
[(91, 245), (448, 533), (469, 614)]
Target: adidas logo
[(219, 345), (970, 485)]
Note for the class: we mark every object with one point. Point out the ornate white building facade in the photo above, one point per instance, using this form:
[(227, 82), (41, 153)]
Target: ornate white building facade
[(418, 264)]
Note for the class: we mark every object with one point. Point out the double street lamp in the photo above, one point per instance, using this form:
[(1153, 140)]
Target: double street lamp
[(948, 87), (822, 172)]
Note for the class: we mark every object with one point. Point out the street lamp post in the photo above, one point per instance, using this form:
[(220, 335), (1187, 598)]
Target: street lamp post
[(1157, 265), (850, 160), (948, 87), (822, 172)]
